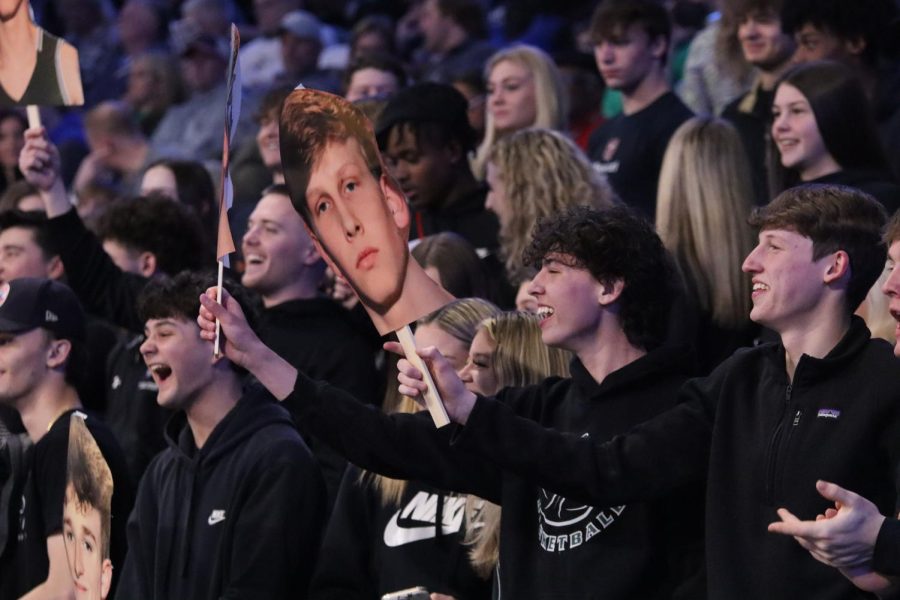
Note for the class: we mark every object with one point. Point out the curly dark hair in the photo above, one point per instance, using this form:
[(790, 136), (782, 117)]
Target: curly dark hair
[(613, 244), (178, 297), (168, 229), (834, 217)]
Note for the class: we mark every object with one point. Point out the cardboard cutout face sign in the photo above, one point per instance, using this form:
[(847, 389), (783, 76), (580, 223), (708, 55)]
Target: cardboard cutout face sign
[(354, 211), (86, 514), (43, 69)]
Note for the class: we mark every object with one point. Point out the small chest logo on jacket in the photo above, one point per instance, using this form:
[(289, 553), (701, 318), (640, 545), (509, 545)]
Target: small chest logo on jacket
[(828, 413)]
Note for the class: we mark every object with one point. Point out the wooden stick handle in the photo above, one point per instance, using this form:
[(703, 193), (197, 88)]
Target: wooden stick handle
[(34, 116), (219, 298), (432, 398)]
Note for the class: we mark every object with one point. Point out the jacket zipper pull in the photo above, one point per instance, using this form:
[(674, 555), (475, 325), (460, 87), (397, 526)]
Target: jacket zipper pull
[(797, 417)]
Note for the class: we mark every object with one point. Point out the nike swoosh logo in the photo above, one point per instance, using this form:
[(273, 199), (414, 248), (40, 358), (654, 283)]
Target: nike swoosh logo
[(213, 519), (394, 535)]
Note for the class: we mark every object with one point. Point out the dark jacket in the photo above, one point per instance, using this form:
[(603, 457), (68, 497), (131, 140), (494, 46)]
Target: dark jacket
[(551, 546), (886, 559), (372, 548), (318, 337), (464, 215), (763, 440), (131, 408), (239, 518)]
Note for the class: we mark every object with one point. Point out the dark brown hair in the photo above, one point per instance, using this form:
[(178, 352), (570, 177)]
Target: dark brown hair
[(834, 217)]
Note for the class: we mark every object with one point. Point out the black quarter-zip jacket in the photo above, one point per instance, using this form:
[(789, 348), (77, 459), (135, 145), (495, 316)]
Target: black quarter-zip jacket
[(762, 440)]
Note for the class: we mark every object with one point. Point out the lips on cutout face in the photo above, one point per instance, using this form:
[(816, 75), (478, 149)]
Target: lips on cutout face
[(360, 223)]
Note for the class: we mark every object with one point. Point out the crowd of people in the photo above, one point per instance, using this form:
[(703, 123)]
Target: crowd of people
[(663, 233)]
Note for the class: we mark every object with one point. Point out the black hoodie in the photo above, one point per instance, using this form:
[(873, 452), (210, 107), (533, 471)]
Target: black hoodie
[(239, 518)]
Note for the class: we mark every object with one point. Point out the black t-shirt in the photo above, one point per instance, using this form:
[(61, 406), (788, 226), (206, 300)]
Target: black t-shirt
[(629, 149), (39, 509)]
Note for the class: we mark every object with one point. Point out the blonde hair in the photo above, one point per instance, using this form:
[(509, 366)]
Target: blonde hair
[(702, 207), (550, 96), (460, 319), (520, 358), (543, 173)]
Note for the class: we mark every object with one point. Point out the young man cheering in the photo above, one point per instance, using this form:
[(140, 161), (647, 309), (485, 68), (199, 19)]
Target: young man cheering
[(614, 276), (764, 426), (234, 506)]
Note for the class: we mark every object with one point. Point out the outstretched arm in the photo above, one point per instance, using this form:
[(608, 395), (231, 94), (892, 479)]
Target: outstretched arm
[(401, 446), (458, 401), (663, 453), (844, 537)]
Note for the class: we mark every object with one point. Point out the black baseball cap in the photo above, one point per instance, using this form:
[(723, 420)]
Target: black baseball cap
[(29, 303)]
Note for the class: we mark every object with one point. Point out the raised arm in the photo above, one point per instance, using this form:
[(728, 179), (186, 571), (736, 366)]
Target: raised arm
[(103, 288)]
